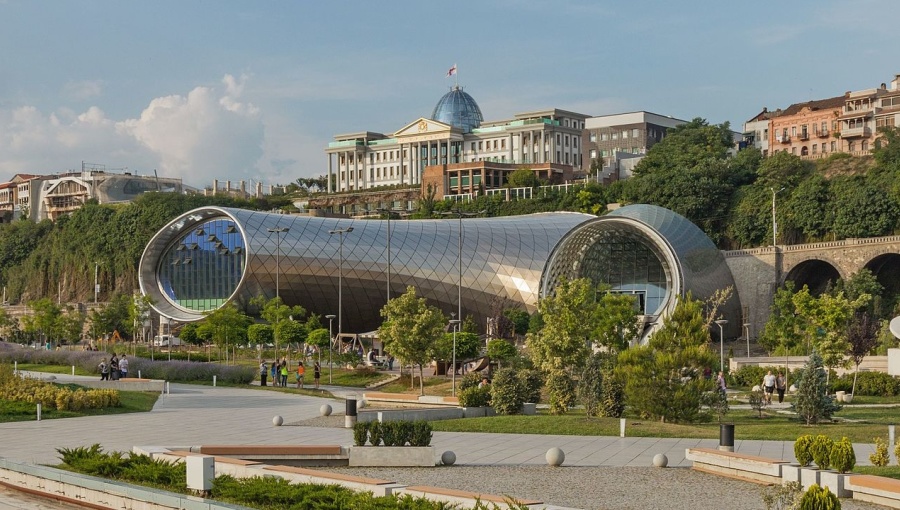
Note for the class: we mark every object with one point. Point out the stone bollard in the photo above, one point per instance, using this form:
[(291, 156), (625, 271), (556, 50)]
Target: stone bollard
[(448, 458), (214, 381), (325, 410), (660, 460), (39, 411), (350, 413), (277, 421), (555, 457), (73, 370), (621, 427)]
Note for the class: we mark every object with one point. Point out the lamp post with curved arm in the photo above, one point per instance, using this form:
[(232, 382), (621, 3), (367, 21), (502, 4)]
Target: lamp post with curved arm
[(340, 232), (721, 322)]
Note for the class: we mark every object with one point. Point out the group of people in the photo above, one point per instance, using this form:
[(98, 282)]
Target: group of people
[(114, 369), (279, 373), (773, 383)]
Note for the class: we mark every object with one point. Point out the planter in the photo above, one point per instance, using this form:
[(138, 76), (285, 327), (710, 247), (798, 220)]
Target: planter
[(839, 396), (529, 408), (835, 482), (809, 476), (790, 473), (478, 412), (848, 397), (392, 456)]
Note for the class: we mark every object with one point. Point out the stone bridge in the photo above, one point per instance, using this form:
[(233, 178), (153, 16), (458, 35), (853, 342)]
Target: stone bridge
[(759, 271)]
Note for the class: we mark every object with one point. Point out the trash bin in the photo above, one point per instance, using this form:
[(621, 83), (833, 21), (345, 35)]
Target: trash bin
[(726, 437)]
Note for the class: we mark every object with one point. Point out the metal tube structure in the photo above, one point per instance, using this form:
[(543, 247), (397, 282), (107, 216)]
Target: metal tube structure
[(340, 232), (278, 231)]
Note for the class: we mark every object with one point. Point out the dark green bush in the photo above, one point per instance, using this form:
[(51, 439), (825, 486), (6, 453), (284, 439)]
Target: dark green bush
[(404, 432), (842, 456), (360, 433), (421, 433), (749, 376), (802, 449), (532, 381), (819, 498), (474, 396), (821, 451), (470, 380), (390, 433), (561, 388), (507, 392), (375, 433), (872, 384)]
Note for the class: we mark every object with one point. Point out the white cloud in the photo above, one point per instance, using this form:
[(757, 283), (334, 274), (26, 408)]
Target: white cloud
[(82, 90), (204, 135)]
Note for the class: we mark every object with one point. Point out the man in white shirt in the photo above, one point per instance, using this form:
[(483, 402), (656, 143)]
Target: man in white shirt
[(769, 386)]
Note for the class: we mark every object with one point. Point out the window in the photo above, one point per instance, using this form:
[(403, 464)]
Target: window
[(865, 145), (604, 153), (624, 134), (815, 148), (635, 150), (765, 134), (793, 130), (635, 133), (615, 136), (503, 143), (793, 150), (566, 138), (495, 144), (593, 153), (473, 146), (558, 138), (480, 145), (833, 146), (593, 137), (824, 127)]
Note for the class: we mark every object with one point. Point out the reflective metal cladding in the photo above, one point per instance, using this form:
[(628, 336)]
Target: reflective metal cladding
[(214, 255)]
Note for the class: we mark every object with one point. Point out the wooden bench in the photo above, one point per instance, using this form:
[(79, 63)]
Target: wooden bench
[(457, 496), (328, 475), (874, 489), (263, 450), (380, 395), (751, 468), (222, 460), (376, 486)]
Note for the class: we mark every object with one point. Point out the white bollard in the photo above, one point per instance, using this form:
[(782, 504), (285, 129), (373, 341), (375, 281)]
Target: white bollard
[(621, 427), (15, 368), (39, 411), (167, 388), (139, 374), (73, 370), (214, 381), (891, 442)]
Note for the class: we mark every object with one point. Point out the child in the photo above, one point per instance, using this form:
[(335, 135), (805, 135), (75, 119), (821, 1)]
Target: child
[(301, 370)]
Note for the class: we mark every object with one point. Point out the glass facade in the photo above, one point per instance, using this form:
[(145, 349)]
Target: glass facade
[(201, 269), (458, 109)]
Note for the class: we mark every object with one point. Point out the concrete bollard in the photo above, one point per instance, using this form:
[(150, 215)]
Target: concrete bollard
[(214, 381), (167, 388), (15, 368), (73, 370), (621, 427), (39, 411), (891, 442), (139, 374), (555, 457), (350, 413), (660, 460), (277, 421)]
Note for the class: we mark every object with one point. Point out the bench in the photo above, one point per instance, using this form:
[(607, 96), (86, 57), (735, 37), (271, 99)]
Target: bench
[(391, 397), (751, 468), (458, 496), (219, 460), (269, 450), (328, 475), (376, 486), (874, 489)]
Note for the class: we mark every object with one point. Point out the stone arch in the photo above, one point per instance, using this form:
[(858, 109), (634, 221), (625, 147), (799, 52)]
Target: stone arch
[(886, 268), (816, 273)]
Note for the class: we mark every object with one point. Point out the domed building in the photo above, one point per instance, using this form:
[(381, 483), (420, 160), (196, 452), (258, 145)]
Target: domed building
[(455, 152), (459, 110)]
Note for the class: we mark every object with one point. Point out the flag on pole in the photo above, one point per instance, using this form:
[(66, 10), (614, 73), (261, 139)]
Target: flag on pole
[(452, 71)]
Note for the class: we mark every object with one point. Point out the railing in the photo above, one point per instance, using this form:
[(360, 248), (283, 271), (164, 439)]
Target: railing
[(822, 134), (803, 135), (852, 132), (783, 139)]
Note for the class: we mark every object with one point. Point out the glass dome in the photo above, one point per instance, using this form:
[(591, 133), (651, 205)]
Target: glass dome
[(458, 109)]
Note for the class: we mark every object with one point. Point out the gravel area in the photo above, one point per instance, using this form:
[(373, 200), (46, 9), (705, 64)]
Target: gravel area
[(588, 488), (592, 488)]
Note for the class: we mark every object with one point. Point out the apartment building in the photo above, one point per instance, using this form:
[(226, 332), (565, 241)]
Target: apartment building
[(624, 136), (807, 129)]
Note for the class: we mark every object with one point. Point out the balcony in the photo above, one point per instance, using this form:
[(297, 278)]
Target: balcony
[(822, 134), (856, 132), (783, 139), (804, 135)]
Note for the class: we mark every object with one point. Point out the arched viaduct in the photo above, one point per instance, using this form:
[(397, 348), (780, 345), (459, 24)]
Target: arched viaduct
[(758, 272)]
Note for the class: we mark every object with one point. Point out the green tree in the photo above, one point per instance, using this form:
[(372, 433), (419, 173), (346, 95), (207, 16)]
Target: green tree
[(519, 319), (812, 403), (139, 312), (468, 346), (71, 324), (782, 332), (862, 337), (262, 334), (320, 338), (590, 385), (616, 320), (862, 209), (564, 341), (410, 330), (523, 178), (45, 318), (292, 332), (664, 379), (113, 316), (275, 312), (501, 351), (189, 335), (225, 326)]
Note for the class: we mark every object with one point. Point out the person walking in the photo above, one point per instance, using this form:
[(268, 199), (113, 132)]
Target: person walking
[(284, 373), (263, 373), (720, 382), (123, 366), (780, 386), (274, 372), (104, 370), (301, 371), (317, 373), (769, 386)]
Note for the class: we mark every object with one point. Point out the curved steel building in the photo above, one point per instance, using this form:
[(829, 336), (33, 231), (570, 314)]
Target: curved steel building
[(212, 255)]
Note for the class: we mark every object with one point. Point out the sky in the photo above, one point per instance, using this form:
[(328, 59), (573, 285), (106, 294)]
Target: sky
[(203, 89)]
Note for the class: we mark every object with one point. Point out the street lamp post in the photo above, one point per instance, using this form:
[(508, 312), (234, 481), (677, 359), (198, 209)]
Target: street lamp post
[(454, 323), (461, 214), (721, 322), (96, 284), (278, 231), (774, 224), (330, 317), (340, 232), (747, 337)]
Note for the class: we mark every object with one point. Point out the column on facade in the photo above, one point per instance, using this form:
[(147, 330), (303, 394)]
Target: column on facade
[(401, 164), (355, 171), (330, 173)]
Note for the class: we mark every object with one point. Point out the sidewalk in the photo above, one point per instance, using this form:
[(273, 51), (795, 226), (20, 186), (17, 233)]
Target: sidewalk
[(196, 415)]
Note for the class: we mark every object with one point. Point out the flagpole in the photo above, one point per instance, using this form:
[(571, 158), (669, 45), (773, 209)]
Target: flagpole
[(456, 75)]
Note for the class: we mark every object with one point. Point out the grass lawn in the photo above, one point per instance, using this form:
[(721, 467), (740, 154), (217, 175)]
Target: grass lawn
[(132, 402), (747, 426), (888, 471), (53, 369)]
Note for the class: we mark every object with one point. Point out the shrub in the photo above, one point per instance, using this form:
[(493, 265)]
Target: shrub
[(360, 433), (421, 433), (747, 375), (783, 497), (612, 392), (507, 392), (717, 402), (897, 451), (821, 451), (819, 498), (876, 384), (590, 386), (389, 433), (474, 396), (470, 380), (802, 449), (880, 457), (842, 456), (562, 391), (375, 433), (811, 403), (757, 401), (532, 382), (404, 432)]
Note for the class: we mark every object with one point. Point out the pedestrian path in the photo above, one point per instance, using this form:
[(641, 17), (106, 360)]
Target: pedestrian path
[(194, 415)]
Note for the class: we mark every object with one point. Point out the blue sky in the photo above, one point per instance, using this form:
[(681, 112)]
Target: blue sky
[(256, 90)]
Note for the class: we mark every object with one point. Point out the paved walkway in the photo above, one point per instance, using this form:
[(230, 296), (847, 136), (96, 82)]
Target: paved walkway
[(195, 415)]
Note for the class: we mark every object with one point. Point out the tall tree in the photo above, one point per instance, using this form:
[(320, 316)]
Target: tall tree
[(862, 336), (410, 330)]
